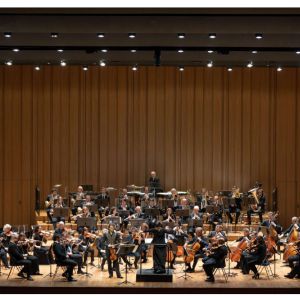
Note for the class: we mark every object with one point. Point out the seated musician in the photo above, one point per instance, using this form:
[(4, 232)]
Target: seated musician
[(111, 240), (102, 249), (128, 238), (80, 195), (286, 233), (175, 198), (196, 215), (294, 263), (169, 216), (148, 200), (246, 237), (87, 239), (17, 258), (39, 250), (154, 183), (189, 242), (218, 233), (202, 199), (50, 202), (171, 247), (272, 221), (203, 241), (216, 217), (60, 230), (85, 213), (257, 255), (215, 259), (62, 258), (88, 202), (236, 207), (24, 247), (184, 205), (4, 242), (259, 207)]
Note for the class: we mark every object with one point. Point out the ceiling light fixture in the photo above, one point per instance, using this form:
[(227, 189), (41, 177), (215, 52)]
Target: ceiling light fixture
[(279, 69), (181, 35), (131, 35), (180, 51), (210, 51), (104, 50), (250, 64), (37, 68), (7, 34), (254, 52), (229, 69), (63, 63), (258, 36), (212, 36), (132, 50), (85, 68), (100, 35), (54, 35), (9, 63), (102, 63), (60, 50), (16, 50), (181, 69), (297, 52), (134, 68)]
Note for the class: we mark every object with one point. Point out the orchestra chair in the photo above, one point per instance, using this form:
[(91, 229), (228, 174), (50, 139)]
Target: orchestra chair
[(223, 271), (13, 266), (58, 265), (265, 265)]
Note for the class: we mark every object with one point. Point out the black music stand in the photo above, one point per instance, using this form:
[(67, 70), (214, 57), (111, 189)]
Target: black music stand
[(185, 276), (61, 212), (92, 208), (136, 222), (152, 212), (169, 224), (113, 220), (124, 213), (87, 222), (166, 203), (102, 202), (185, 213), (125, 250)]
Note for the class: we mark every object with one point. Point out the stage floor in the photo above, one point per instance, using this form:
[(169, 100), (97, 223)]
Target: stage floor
[(99, 282)]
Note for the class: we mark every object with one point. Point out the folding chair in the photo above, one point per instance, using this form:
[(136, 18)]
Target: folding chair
[(223, 271), (265, 265)]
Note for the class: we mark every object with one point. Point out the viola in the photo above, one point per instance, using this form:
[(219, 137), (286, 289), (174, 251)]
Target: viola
[(113, 254)]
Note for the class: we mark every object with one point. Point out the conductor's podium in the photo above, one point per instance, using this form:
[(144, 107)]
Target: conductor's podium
[(148, 275)]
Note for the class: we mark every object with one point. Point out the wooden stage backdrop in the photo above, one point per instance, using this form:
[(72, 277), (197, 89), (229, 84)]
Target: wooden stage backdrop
[(111, 126)]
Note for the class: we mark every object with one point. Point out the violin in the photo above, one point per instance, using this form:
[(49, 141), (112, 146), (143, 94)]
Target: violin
[(112, 253)]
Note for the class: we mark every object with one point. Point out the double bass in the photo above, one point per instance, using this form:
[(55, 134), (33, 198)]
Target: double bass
[(291, 246)]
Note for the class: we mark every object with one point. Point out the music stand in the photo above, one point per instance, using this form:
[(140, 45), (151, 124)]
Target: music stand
[(185, 276), (195, 223), (92, 208), (152, 212), (136, 222), (87, 222), (79, 203), (169, 224), (125, 250), (113, 220), (124, 213), (102, 202), (166, 203), (182, 213), (61, 212)]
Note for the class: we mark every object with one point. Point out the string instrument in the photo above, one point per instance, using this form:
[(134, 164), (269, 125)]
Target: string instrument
[(291, 246), (272, 236), (191, 250), (112, 252), (252, 245), (170, 254), (235, 255), (212, 248)]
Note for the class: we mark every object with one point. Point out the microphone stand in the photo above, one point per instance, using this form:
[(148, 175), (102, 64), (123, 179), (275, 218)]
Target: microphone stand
[(229, 274)]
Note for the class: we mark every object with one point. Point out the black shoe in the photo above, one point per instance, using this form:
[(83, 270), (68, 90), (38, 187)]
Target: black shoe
[(80, 272), (120, 276), (288, 276), (210, 279), (172, 267), (21, 274), (102, 268), (192, 271), (92, 264), (29, 278), (70, 279), (255, 276), (84, 264), (64, 274)]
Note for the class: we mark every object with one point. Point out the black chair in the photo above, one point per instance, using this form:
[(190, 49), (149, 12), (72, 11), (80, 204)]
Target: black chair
[(265, 265)]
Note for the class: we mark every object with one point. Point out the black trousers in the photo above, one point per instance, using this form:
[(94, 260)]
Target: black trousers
[(251, 212), (86, 253), (237, 214), (113, 265), (159, 258), (34, 264), (292, 259), (209, 266), (3, 257), (70, 264), (78, 259), (27, 266), (252, 266)]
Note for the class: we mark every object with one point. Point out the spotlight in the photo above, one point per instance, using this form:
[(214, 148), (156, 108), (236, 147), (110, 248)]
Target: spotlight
[(279, 69), (102, 63), (181, 69), (9, 63), (210, 64), (16, 50), (258, 36), (210, 51), (134, 68), (85, 68), (229, 69), (250, 64), (297, 52), (132, 50), (212, 35), (60, 50), (181, 35), (180, 51), (54, 35), (104, 50), (100, 35), (254, 52), (7, 34), (131, 35), (63, 63), (37, 68)]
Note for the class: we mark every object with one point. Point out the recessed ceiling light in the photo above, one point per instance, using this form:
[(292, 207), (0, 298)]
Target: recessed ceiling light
[(254, 51), (209, 64), (229, 69), (297, 52), (250, 64), (210, 51), (279, 69), (212, 35), (181, 69), (258, 36), (100, 35), (104, 50), (180, 51), (181, 35), (131, 35), (9, 63), (60, 50), (85, 68), (37, 68), (102, 63), (54, 34), (63, 63), (133, 50), (7, 34), (134, 68), (16, 50)]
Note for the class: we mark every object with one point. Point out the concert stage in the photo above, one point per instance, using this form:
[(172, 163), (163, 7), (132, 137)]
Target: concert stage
[(100, 283)]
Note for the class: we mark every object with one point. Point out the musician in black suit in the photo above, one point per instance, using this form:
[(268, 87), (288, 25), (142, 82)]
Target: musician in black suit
[(18, 259), (103, 197), (154, 183), (102, 249), (259, 208), (294, 263), (218, 233), (236, 207), (111, 239), (62, 259), (216, 259)]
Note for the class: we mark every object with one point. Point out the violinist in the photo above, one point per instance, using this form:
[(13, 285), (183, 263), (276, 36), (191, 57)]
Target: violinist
[(215, 259), (39, 250), (294, 263), (17, 258), (60, 230), (111, 240), (86, 239), (23, 246), (236, 207), (218, 233), (102, 249)]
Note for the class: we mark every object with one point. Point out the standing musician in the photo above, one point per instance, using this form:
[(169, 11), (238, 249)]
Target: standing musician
[(216, 216), (215, 259), (49, 203), (87, 239), (259, 207), (62, 258), (294, 263), (236, 207), (111, 240), (154, 184), (17, 258)]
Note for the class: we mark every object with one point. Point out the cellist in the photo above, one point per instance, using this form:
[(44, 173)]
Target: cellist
[(243, 243), (294, 263)]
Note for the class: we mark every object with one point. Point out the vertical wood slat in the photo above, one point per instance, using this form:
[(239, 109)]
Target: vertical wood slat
[(110, 126)]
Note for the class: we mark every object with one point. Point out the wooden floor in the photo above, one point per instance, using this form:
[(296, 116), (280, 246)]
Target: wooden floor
[(99, 282)]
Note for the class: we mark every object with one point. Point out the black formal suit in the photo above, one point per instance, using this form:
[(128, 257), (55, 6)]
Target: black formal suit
[(17, 259), (102, 251), (154, 185), (62, 259), (261, 209), (256, 257), (215, 260)]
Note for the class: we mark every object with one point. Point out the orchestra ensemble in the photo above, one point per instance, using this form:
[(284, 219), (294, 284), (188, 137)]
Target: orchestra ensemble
[(166, 226)]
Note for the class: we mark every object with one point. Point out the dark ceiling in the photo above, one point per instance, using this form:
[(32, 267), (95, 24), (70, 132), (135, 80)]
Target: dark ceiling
[(156, 39)]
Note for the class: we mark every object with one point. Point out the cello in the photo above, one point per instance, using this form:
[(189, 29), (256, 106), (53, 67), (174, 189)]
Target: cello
[(191, 250), (235, 255), (291, 248)]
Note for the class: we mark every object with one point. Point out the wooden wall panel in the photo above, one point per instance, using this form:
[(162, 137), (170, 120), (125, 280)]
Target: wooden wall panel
[(111, 126)]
